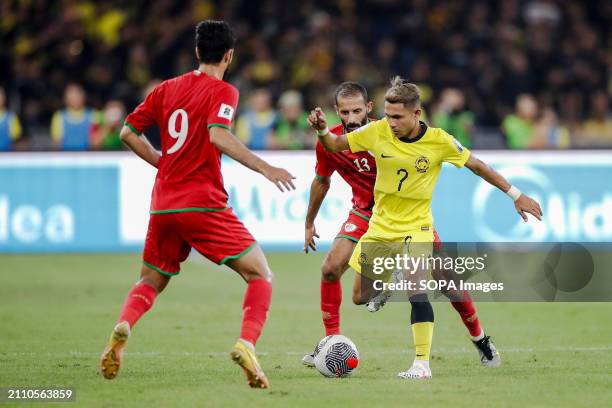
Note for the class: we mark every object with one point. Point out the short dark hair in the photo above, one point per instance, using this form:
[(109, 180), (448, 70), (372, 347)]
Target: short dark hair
[(349, 89), (404, 92), (213, 39)]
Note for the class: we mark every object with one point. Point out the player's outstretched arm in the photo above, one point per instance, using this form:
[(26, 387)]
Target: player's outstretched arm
[(141, 146), (332, 143), (522, 202), (234, 148), (318, 191)]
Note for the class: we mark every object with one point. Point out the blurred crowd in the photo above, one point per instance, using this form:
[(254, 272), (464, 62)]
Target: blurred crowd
[(519, 74)]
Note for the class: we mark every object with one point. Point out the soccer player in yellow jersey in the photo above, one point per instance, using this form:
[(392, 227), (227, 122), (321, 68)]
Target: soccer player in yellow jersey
[(409, 156)]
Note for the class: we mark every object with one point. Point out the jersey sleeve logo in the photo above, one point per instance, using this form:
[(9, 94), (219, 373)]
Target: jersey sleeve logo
[(226, 112), (458, 145)]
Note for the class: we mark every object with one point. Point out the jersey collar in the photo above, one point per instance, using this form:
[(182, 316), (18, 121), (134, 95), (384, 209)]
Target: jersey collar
[(418, 137)]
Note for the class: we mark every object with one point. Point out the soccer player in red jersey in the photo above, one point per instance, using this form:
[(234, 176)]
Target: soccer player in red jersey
[(189, 206), (359, 171)]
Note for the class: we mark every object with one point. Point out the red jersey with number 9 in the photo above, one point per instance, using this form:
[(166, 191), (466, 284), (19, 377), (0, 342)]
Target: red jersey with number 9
[(357, 169), (185, 108)]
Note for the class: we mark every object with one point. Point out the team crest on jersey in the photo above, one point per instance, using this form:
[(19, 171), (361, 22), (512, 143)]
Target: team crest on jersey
[(348, 227), (421, 164), (226, 112)]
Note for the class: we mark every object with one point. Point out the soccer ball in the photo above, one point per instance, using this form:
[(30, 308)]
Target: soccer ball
[(336, 356)]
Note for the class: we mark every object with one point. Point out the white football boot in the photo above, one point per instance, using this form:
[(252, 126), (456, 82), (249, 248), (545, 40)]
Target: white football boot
[(418, 371), (308, 359)]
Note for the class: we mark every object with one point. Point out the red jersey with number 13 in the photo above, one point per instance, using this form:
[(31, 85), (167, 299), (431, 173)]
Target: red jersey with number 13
[(357, 169), (185, 108)]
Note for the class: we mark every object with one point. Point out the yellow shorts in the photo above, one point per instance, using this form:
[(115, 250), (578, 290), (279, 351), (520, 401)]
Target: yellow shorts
[(416, 243)]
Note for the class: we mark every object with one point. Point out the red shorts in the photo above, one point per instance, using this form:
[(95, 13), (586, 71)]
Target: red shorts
[(218, 235), (356, 225)]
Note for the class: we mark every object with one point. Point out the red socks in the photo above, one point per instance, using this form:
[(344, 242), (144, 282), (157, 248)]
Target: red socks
[(467, 311), (331, 298), (255, 309), (138, 302)]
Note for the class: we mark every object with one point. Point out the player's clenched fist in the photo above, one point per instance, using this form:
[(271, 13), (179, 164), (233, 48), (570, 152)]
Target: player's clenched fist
[(280, 177), (317, 119)]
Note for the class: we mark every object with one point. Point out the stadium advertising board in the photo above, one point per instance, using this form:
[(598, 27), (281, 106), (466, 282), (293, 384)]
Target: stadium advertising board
[(50, 204), (570, 186), (100, 202)]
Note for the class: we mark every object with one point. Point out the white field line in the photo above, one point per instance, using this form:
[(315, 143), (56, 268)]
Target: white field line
[(301, 353)]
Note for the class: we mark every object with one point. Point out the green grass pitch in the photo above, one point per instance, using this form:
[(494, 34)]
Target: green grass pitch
[(56, 312)]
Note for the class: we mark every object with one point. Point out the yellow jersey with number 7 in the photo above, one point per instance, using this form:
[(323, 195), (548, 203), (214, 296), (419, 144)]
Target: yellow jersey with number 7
[(407, 172)]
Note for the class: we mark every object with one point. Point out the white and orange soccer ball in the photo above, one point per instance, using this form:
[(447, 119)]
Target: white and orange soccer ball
[(336, 356)]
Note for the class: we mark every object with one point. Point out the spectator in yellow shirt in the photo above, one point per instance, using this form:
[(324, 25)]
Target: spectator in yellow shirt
[(596, 131)]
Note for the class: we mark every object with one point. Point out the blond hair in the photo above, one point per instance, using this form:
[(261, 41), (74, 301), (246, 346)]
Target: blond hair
[(402, 91)]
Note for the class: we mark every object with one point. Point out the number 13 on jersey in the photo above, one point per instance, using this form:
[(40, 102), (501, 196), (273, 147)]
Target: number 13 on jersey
[(364, 165)]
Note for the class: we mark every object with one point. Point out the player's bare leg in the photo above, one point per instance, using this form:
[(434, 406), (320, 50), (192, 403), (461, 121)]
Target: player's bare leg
[(336, 262), (363, 289), (364, 293), (254, 269), (139, 300)]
